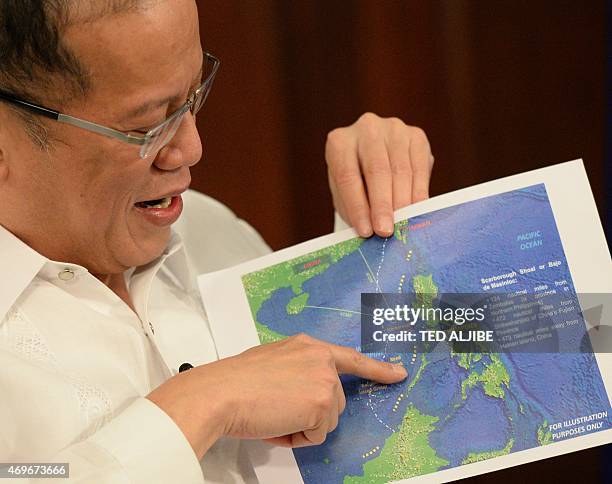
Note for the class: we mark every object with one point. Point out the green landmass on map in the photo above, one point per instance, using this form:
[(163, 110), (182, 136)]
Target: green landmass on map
[(296, 304), (406, 453), (259, 286), (544, 434), (401, 231), (493, 377), (476, 457), (466, 359)]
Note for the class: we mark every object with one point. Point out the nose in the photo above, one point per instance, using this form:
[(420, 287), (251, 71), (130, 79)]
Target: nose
[(184, 149)]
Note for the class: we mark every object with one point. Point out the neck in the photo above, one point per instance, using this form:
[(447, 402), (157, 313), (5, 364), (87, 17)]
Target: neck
[(116, 283)]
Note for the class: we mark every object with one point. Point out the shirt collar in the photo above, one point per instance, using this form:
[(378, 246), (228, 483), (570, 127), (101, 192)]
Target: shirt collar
[(20, 264)]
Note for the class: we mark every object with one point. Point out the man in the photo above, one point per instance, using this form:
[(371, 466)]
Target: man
[(98, 309)]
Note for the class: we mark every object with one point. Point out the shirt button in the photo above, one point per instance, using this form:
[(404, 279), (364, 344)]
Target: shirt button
[(66, 275)]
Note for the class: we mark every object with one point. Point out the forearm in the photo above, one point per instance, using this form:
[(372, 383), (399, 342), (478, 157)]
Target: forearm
[(140, 445)]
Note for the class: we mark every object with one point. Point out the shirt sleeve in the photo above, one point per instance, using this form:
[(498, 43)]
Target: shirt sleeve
[(255, 240), (142, 444), (215, 238)]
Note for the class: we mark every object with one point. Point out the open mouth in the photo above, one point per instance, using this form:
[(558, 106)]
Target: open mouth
[(161, 212), (159, 203)]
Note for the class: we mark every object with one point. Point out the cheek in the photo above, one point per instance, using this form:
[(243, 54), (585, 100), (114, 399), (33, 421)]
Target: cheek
[(102, 191), (108, 202)]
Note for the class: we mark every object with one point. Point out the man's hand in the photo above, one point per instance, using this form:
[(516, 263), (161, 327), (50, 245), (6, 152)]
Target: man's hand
[(288, 393), (376, 166)]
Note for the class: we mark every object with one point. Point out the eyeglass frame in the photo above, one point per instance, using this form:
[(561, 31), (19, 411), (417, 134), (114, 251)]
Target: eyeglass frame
[(111, 132)]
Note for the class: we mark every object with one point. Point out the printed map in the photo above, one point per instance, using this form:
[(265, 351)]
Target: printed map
[(453, 409)]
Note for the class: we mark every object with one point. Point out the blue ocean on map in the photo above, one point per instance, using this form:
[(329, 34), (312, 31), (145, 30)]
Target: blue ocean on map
[(476, 407)]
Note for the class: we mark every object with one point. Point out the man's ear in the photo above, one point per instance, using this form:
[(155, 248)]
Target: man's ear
[(4, 169), (4, 147)]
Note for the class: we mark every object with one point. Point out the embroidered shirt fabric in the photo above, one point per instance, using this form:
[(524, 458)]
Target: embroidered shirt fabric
[(76, 362)]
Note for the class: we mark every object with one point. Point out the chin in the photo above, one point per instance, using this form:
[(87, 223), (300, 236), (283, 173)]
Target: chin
[(148, 249), (156, 246)]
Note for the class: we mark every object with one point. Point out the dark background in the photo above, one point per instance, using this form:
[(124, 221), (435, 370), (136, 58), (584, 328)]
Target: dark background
[(500, 87)]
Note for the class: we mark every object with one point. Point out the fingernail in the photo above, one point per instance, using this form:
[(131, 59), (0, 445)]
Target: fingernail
[(399, 369), (385, 226), (363, 228)]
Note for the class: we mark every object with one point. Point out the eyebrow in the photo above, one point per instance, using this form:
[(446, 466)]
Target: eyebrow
[(146, 107), (155, 103)]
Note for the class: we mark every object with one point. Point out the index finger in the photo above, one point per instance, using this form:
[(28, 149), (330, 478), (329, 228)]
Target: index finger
[(350, 361)]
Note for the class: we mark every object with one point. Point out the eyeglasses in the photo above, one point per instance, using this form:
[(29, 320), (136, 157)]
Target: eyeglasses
[(154, 139)]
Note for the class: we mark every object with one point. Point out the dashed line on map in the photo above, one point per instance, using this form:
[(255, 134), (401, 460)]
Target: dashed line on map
[(371, 452), (398, 401), (382, 259)]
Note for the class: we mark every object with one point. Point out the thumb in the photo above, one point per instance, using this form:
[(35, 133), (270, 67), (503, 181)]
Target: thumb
[(284, 441)]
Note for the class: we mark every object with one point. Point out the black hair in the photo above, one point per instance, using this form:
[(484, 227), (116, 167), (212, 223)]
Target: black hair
[(35, 63)]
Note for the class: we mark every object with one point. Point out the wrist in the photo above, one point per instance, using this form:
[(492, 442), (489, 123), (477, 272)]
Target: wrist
[(192, 403)]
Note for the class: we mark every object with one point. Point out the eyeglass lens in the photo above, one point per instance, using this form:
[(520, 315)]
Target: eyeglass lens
[(163, 134)]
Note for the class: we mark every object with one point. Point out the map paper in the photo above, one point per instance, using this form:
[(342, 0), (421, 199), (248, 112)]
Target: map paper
[(457, 414)]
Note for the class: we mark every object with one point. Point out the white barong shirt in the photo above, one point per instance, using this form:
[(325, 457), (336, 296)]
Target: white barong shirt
[(76, 362)]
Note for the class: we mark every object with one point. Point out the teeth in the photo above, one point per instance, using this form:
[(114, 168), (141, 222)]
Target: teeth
[(165, 203)]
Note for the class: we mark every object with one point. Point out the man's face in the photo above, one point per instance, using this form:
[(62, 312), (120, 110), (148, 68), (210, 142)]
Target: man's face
[(78, 203)]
